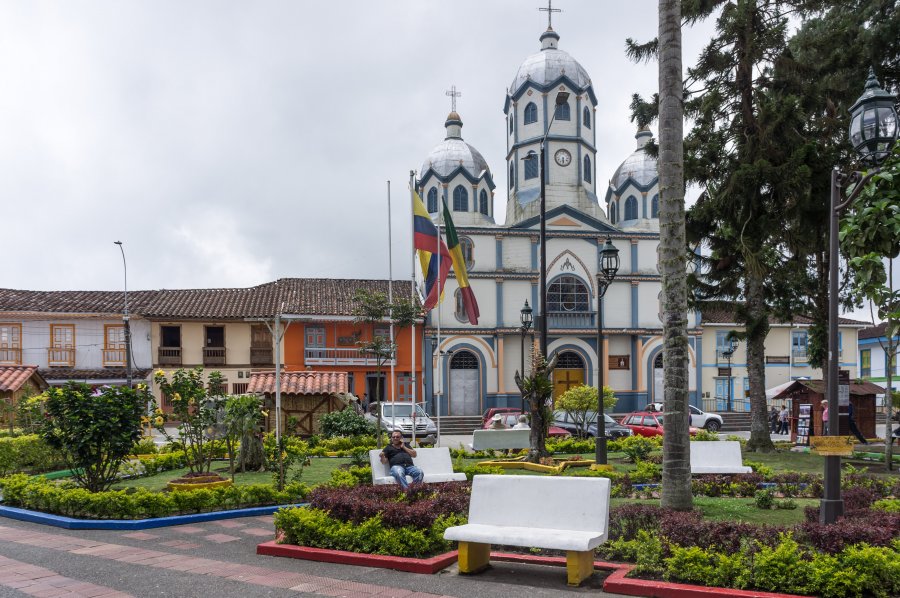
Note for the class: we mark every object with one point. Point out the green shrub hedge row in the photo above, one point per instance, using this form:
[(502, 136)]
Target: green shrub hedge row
[(40, 494), (27, 453)]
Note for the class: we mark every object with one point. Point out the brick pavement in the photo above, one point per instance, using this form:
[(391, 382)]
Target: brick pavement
[(44, 583)]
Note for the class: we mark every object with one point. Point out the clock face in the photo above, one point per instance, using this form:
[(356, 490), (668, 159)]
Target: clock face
[(563, 157)]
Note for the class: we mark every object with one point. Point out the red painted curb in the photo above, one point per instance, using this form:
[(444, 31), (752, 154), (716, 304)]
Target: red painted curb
[(409, 565), (619, 584)]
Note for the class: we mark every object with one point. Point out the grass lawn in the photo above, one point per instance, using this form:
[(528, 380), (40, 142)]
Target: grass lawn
[(737, 509)]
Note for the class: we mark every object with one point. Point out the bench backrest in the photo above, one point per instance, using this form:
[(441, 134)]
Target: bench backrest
[(562, 503), (712, 453), (429, 460), (501, 439)]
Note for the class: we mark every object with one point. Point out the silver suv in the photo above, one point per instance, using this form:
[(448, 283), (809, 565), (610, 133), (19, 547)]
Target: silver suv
[(401, 417)]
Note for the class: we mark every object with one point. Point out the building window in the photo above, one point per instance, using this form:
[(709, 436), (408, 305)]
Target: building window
[(463, 360), (484, 202), (587, 169), (512, 119), (404, 387), (799, 342), (723, 343), (612, 212), (460, 199), (512, 175), (11, 344), (432, 200), (170, 336), (459, 306), (62, 345), (563, 112), (467, 247), (654, 206), (315, 342), (114, 345), (567, 294), (530, 113), (531, 166), (586, 117), (631, 208), (383, 332), (865, 363)]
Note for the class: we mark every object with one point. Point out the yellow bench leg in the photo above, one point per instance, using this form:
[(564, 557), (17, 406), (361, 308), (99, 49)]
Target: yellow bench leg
[(473, 557), (579, 566)]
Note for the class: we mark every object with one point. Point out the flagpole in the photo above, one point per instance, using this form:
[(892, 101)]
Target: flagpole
[(412, 297), (439, 290), (391, 308)]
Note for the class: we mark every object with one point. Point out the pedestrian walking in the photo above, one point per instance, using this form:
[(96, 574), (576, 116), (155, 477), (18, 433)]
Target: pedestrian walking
[(773, 419), (783, 420), (824, 417)]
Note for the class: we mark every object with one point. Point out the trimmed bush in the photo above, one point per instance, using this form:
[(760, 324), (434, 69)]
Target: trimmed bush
[(28, 453)]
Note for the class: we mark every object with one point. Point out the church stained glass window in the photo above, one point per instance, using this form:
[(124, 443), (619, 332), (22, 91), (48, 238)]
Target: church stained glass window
[(511, 121), (586, 117), (531, 166), (512, 175), (563, 112), (432, 200), (483, 207), (460, 199), (612, 213), (631, 208), (567, 294), (654, 206), (530, 113), (587, 169)]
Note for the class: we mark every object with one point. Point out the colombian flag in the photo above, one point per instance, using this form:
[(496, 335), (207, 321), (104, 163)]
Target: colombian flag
[(426, 242), (459, 267)]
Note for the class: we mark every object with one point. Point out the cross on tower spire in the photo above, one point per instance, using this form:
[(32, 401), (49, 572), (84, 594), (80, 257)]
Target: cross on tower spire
[(453, 95), (550, 10)]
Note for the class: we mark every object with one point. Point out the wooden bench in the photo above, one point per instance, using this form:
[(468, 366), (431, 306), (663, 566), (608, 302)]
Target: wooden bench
[(500, 439), (434, 462), (717, 457), (557, 513)]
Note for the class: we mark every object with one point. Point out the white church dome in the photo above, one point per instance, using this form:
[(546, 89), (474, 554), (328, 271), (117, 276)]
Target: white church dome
[(548, 65), (640, 166), (453, 152)]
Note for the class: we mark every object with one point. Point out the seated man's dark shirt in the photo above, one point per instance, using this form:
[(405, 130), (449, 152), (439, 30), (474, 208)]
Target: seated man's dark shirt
[(397, 456)]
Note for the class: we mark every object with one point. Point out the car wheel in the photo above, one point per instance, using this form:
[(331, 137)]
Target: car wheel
[(713, 425)]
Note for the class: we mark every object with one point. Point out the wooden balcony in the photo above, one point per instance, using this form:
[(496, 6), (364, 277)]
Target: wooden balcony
[(571, 319), (340, 356), (213, 355), (60, 357), (11, 356), (169, 355), (113, 358), (261, 356)]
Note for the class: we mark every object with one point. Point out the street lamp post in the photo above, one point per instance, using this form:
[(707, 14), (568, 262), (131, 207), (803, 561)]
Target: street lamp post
[(728, 354), (873, 130), (561, 98), (609, 266), (526, 318), (126, 318)]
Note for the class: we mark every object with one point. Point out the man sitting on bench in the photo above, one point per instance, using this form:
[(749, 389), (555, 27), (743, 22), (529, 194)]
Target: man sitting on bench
[(399, 456)]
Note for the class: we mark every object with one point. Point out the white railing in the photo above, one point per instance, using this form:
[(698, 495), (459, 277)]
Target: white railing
[(570, 319), (340, 356)]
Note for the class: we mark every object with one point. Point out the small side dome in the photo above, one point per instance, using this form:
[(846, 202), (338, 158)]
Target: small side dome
[(640, 166), (453, 152)]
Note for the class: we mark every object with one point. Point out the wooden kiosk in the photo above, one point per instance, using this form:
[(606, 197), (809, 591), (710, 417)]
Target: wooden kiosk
[(807, 395)]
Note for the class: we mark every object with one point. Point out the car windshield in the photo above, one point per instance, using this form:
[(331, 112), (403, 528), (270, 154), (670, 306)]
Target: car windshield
[(400, 410)]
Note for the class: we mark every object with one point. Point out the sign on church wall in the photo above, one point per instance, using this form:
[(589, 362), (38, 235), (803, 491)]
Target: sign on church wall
[(619, 362)]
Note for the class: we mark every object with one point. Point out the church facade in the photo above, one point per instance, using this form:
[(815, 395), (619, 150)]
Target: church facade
[(475, 365)]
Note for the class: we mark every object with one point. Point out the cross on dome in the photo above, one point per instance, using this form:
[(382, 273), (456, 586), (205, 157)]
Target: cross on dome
[(550, 10), (453, 95)]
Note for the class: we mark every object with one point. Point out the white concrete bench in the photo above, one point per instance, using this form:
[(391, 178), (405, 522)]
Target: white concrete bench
[(514, 511), (722, 456), (500, 439), (434, 462)]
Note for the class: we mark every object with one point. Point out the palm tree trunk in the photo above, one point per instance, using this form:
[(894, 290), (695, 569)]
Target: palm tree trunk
[(676, 473)]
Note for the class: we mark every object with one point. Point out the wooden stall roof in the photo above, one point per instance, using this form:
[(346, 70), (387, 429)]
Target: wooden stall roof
[(14, 377), (300, 383), (818, 386)]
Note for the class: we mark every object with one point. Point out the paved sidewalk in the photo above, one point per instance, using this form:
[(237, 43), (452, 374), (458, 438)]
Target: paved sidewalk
[(218, 558)]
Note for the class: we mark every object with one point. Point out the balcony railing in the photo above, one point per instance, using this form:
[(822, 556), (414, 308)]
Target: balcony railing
[(60, 357), (340, 356), (213, 355), (261, 356), (169, 355), (114, 357), (571, 319), (11, 356)]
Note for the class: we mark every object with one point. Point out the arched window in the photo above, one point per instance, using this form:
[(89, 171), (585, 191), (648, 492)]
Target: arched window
[(459, 308), (567, 294), (587, 169), (654, 206), (586, 117), (512, 175), (531, 166), (460, 199), (530, 113), (511, 121), (432, 200), (569, 360), (463, 360), (631, 208), (562, 112), (483, 207), (612, 212), (468, 251)]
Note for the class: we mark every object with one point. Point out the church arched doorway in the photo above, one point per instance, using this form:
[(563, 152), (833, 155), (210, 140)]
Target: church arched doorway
[(569, 373), (658, 388), (465, 386)]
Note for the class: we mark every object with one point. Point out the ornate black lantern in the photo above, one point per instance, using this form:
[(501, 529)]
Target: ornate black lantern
[(609, 260), (526, 317), (873, 122)]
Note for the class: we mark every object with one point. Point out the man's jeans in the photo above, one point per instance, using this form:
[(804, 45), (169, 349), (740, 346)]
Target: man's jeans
[(400, 472)]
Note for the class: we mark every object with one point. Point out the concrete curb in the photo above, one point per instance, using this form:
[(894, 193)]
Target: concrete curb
[(619, 584), (427, 566), (133, 524)]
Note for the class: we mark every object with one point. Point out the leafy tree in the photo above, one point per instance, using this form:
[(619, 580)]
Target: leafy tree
[(345, 423), (94, 430), (537, 391), (580, 403), (243, 422), (199, 406), (373, 307)]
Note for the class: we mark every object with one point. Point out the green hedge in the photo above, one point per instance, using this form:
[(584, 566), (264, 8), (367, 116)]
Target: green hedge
[(27, 453), (40, 494)]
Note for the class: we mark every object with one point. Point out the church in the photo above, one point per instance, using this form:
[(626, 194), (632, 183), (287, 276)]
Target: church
[(474, 366)]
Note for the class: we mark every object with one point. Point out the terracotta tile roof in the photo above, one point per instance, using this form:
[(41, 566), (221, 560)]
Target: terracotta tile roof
[(87, 302), (818, 386), (299, 383), (81, 375), (331, 296), (13, 377), (874, 331), (717, 315)]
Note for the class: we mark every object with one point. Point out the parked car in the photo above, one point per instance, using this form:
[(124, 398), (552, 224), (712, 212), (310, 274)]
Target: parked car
[(647, 423), (402, 417), (490, 413), (612, 427), (511, 418), (699, 418)]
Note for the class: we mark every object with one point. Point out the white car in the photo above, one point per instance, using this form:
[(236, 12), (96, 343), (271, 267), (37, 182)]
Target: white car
[(699, 419)]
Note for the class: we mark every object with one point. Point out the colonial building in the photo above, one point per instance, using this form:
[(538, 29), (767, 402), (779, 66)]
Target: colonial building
[(873, 357)]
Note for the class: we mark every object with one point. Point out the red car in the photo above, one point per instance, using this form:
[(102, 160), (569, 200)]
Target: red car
[(646, 423), (511, 418)]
